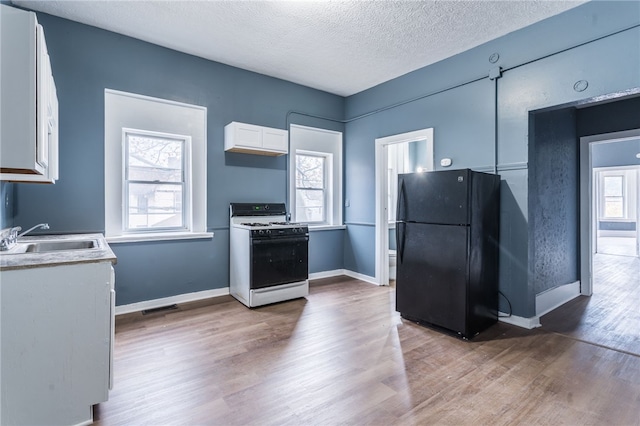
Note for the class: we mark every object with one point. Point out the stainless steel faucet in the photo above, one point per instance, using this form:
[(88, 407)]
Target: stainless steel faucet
[(10, 238), (40, 225)]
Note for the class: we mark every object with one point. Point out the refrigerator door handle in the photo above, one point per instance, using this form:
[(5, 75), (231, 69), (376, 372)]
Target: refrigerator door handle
[(401, 201), (400, 240)]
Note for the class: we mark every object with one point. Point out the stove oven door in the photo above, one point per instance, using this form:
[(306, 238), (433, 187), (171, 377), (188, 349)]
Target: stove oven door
[(276, 261)]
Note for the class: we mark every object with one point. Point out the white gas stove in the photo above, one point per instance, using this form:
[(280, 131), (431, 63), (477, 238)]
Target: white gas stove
[(268, 255)]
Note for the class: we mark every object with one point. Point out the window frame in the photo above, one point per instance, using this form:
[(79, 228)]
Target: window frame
[(186, 170), (323, 141), (327, 186), (133, 111), (622, 197)]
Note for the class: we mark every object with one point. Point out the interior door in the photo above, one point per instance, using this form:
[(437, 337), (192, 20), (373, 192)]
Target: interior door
[(432, 274)]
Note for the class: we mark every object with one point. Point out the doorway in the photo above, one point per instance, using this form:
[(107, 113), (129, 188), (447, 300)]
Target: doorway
[(615, 193), (403, 153), (610, 199)]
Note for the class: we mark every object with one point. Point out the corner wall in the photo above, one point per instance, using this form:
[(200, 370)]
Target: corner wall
[(85, 60), (474, 118)]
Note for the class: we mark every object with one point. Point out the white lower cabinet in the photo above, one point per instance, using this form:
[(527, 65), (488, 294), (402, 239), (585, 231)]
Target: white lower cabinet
[(56, 343)]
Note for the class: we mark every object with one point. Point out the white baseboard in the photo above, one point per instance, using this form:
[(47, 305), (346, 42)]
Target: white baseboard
[(338, 272), (326, 274), (166, 301), (528, 323), (548, 300), (360, 276)]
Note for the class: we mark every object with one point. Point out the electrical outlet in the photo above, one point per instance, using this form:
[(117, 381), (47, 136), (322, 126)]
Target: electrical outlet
[(347, 203)]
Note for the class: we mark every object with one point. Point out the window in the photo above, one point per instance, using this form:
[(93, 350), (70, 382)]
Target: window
[(613, 189), (155, 185), (155, 169), (311, 186), (315, 176)]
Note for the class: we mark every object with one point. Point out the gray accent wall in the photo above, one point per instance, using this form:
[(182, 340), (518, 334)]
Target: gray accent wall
[(554, 186), (86, 60)]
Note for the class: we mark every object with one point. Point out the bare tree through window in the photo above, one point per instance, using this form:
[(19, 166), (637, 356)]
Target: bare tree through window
[(310, 188), (155, 181)]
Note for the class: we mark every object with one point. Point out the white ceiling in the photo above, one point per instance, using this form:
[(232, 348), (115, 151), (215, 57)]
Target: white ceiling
[(341, 47)]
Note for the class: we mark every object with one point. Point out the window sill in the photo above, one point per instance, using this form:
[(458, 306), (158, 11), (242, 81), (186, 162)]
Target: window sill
[(325, 227), (167, 236)]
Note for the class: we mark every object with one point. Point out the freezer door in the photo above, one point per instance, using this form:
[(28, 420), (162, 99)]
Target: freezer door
[(434, 197), (431, 275)]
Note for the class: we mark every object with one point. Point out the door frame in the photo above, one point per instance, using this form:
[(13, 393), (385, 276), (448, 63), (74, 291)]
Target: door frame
[(381, 184), (587, 203)]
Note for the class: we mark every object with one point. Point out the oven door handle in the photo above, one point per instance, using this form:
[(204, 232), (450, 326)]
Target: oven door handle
[(280, 240)]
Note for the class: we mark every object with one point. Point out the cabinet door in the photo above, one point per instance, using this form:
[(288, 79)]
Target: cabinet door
[(248, 135), (275, 139), (36, 158)]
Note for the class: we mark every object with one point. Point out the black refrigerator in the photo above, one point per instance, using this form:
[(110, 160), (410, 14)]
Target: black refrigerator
[(447, 236)]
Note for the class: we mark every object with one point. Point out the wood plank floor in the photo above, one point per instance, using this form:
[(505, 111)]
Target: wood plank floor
[(344, 356), (609, 317)]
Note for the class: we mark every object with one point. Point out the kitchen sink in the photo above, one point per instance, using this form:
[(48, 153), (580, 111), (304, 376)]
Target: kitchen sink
[(52, 246)]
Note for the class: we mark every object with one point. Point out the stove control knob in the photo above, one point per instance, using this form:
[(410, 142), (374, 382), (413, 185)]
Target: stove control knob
[(295, 230), (261, 232), (268, 231)]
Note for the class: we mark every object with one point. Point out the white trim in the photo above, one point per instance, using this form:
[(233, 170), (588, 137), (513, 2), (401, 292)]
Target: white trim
[(327, 186), (550, 299), (319, 141), (587, 203), (129, 110), (152, 99), (187, 223), (528, 323), (165, 301), (156, 236), (381, 224), (346, 272), (361, 277), (326, 274)]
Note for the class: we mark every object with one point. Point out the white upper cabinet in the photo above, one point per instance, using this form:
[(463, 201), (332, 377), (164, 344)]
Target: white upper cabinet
[(251, 139), (28, 101)]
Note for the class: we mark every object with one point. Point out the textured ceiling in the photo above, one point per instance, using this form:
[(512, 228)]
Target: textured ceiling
[(342, 47)]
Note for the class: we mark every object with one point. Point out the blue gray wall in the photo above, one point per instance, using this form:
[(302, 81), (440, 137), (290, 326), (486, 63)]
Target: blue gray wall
[(6, 206), (86, 60), (617, 153), (476, 119), (472, 116)]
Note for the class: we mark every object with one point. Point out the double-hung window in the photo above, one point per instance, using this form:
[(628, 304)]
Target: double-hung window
[(156, 184), (613, 191), (155, 169), (315, 176), (312, 183)]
